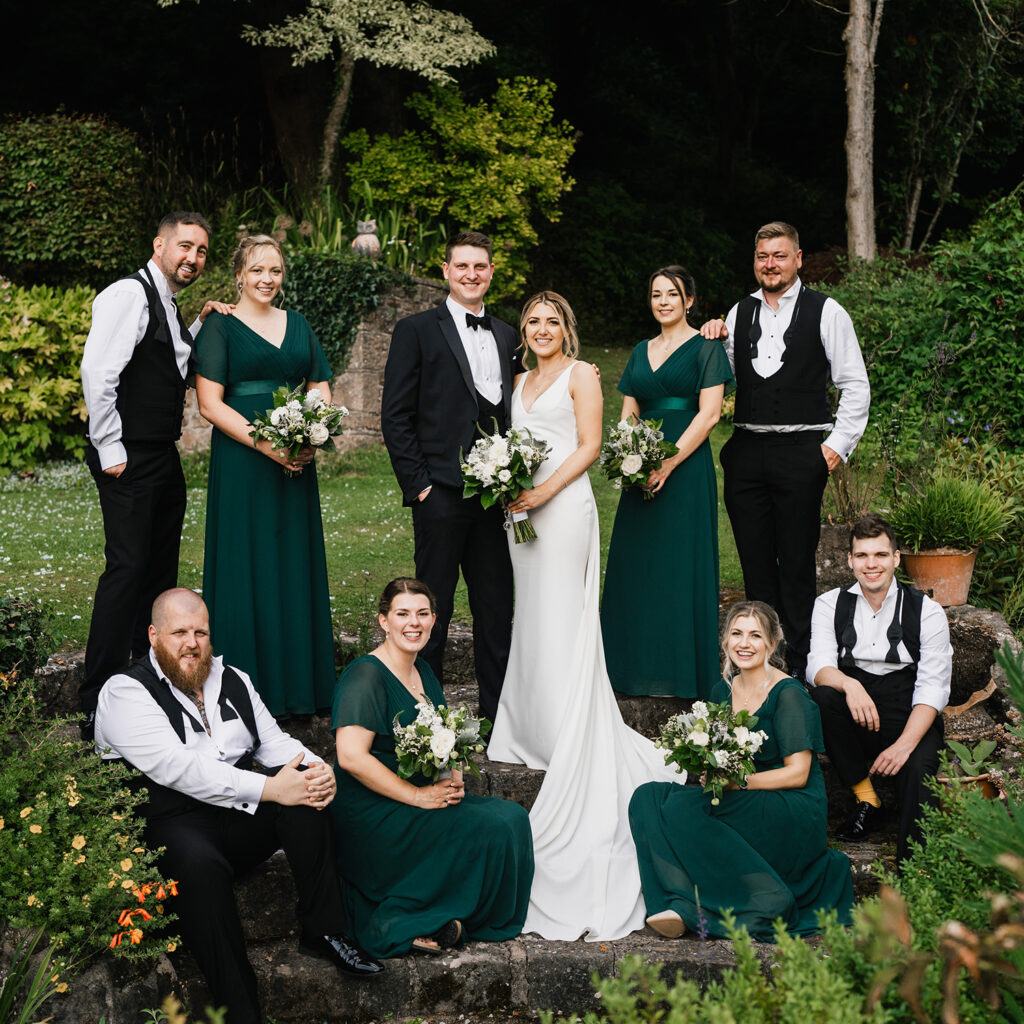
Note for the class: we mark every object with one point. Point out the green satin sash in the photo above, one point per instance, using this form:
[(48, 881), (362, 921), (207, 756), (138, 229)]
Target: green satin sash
[(252, 387), (670, 404)]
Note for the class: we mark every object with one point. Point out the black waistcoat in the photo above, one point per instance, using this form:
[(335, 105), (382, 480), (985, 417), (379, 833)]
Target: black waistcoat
[(162, 801), (905, 627), (798, 391), (151, 390)]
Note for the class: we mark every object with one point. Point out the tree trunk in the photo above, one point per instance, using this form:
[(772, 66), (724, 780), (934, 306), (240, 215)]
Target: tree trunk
[(912, 207), (861, 39), (336, 117)]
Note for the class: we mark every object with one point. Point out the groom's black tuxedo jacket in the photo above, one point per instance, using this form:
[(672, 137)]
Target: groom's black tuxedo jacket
[(429, 408)]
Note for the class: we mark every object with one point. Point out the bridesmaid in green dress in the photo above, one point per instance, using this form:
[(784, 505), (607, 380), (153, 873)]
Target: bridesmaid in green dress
[(265, 570), (662, 574), (762, 851), (424, 864)]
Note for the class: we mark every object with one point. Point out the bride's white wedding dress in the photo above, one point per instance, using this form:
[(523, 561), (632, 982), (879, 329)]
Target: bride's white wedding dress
[(558, 712)]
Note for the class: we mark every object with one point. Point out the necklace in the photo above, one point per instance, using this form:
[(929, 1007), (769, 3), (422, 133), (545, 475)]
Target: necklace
[(392, 666)]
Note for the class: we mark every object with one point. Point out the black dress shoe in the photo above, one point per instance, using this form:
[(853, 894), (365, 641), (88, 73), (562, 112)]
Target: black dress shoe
[(344, 954), (861, 823)]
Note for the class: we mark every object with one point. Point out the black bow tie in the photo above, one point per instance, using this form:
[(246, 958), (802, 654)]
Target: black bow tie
[(478, 321)]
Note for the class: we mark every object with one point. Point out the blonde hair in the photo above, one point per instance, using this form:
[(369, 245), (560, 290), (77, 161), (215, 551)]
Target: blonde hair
[(777, 229), (566, 317), (243, 255), (765, 616)]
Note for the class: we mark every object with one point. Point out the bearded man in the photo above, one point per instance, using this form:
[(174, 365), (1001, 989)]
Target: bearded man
[(226, 789)]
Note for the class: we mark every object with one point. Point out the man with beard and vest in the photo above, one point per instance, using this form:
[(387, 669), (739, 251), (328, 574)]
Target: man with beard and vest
[(786, 344), (881, 665), (226, 789), (137, 357)]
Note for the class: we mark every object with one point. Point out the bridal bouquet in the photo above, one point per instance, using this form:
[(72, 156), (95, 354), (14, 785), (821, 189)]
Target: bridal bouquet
[(632, 450), (441, 738), (299, 418), (712, 741), (499, 466)]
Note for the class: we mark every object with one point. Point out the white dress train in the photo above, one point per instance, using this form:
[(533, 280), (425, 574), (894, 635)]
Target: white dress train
[(558, 711)]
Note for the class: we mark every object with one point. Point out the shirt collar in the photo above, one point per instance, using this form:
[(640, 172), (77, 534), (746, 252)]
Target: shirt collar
[(459, 311), (789, 295), (856, 589), (163, 287)]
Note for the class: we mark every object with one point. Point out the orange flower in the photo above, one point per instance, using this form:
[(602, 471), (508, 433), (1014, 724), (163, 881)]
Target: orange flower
[(116, 940), (136, 934)]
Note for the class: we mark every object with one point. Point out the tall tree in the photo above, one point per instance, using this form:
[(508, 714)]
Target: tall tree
[(388, 33), (863, 25)]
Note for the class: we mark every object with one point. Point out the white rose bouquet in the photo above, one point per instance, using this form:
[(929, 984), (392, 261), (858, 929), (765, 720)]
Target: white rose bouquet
[(712, 741), (499, 466), (440, 739), (632, 450), (299, 418)]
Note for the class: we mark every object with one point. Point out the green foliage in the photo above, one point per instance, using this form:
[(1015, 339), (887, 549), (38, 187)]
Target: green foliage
[(496, 167), (966, 761), (72, 858), (949, 511), (70, 200), (25, 638), (334, 292), (21, 987), (42, 337)]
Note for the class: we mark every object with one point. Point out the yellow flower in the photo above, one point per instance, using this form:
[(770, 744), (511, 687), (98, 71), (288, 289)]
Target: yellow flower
[(127, 884), (32, 901), (80, 859), (139, 849), (126, 864), (62, 987), (26, 811), (117, 817), (1, 824), (171, 947), (78, 842), (35, 829)]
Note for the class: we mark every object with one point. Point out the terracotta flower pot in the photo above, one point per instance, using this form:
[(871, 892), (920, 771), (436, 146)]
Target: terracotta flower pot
[(945, 573)]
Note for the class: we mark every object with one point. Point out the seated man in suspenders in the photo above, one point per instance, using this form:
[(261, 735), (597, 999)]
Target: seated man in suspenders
[(881, 665), (227, 788)]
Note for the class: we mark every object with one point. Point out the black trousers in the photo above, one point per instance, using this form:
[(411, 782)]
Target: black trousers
[(143, 510), (852, 748), (773, 488), (452, 532), (206, 849)]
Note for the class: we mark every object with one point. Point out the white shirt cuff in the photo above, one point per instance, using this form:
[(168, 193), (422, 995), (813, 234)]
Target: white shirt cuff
[(250, 790), (934, 696), (112, 454)]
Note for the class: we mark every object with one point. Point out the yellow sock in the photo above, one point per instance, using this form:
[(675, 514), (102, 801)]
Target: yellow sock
[(864, 793)]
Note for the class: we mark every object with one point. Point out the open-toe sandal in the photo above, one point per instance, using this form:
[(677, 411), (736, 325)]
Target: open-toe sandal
[(449, 935), (425, 944)]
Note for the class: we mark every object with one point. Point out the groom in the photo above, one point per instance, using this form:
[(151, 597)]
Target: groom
[(450, 369)]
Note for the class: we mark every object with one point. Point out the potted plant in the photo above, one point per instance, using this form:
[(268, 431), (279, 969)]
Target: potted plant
[(940, 524), (963, 765)]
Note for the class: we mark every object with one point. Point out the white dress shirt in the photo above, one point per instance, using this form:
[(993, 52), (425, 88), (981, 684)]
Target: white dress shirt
[(132, 725), (934, 669), (120, 316), (481, 351), (846, 366)]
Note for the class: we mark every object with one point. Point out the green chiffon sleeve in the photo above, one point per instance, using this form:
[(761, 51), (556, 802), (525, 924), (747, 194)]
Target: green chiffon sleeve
[(361, 699), (625, 384), (212, 349), (796, 724), (713, 366)]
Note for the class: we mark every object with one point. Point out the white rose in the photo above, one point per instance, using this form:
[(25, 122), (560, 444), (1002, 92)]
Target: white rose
[(313, 400), (318, 434), (632, 464), (698, 739), (699, 709), (441, 744), (721, 758), (755, 741), (504, 475), (279, 416), (293, 404), (742, 735)]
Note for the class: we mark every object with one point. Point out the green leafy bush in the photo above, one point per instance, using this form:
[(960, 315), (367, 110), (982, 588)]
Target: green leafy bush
[(70, 200), (25, 639), (496, 167), (334, 291), (42, 336), (72, 857), (949, 511)]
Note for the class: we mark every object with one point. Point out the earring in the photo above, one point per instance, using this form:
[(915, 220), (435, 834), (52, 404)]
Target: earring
[(238, 286)]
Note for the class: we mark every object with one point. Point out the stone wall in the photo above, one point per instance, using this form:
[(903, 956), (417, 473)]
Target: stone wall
[(359, 387)]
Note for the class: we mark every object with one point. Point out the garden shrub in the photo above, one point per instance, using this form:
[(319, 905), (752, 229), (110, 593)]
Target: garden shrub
[(72, 858), (495, 167), (334, 291), (70, 200), (42, 336), (25, 639)]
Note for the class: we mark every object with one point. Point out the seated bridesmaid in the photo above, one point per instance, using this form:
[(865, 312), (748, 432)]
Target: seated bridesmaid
[(762, 851), (424, 864)]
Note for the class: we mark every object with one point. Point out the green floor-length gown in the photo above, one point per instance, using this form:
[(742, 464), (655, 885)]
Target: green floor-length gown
[(407, 871), (762, 853), (265, 570), (659, 611)]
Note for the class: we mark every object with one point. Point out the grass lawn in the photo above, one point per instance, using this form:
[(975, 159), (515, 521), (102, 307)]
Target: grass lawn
[(51, 534)]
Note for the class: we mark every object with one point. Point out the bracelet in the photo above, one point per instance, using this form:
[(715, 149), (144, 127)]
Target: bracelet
[(746, 782), (562, 478)]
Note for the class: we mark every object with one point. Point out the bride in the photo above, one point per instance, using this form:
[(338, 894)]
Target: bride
[(557, 710)]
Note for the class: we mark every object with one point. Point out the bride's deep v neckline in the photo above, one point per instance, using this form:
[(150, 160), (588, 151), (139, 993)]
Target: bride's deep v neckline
[(538, 397)]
